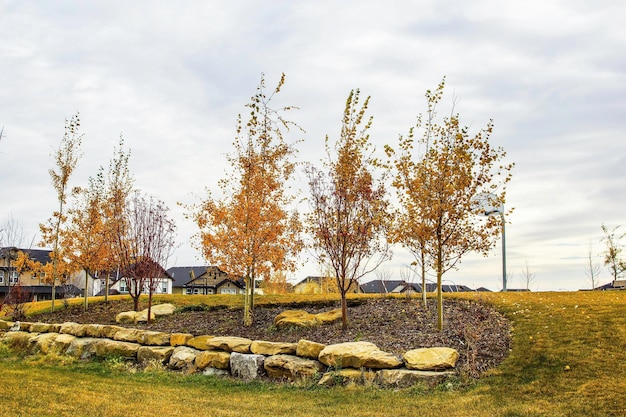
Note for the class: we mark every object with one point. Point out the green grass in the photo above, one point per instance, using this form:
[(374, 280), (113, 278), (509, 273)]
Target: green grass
[(568, 358)]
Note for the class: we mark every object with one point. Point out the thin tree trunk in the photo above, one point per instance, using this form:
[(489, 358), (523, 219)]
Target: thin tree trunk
[(423, 281), (439, 291), (86, 289)]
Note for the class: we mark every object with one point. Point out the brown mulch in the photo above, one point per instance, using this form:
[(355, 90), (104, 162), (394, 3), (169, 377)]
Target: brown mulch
[(480, 334)]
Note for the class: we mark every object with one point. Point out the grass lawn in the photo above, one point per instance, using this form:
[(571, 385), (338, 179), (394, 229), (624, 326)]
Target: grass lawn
[(568, 359)]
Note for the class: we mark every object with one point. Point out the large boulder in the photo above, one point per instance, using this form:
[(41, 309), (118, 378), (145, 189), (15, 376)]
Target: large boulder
[(348, 377), (20, 340), (401, 378), (212, 359), (291, 367), (160, 354), (309, 349), (40, 327), (152, 338), (183, 358), (107, 347), (126, 317), (74, 329), (108, 331), (63, 342), (142, 316), (247, 366), (431, 359), (127, 335), (328, 317), (199, 342), (162, 309), (262, 347), (230, 344), (295, 318), (358, 355), (94, 330), (44, 343), (5, 325), (180, 339), (82, 347)]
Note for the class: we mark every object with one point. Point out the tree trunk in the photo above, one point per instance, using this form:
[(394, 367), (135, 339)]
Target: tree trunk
[(53, 293), (423, 281), (86, 289), (344, 310), (439, 291), (247, 313), (150, 302)]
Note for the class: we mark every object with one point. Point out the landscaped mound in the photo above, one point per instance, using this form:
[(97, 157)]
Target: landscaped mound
[(476, 331)]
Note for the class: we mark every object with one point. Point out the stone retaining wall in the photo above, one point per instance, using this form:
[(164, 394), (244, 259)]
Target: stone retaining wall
[(350, 362)]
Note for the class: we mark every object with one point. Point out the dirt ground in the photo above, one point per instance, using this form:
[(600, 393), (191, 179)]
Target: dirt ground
[(480, 334)]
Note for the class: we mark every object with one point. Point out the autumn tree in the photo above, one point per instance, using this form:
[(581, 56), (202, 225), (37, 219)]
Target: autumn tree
[(348, 204), (592, 269), (85, 237), (66, 158), (147, 244), (436, 191), (118, 189), (250, 232), (613, 253)]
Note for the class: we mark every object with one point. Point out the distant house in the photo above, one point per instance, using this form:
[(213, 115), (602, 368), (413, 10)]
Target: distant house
[(618, 284), (162, 281), (203, 280), (321, 285), (401, 287), (35, 284)]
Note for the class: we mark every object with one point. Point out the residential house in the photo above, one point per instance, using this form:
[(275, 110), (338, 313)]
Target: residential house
[(321, 285), (401, 286), (35, 283), (618, 284), (204, 280), (162, 281)]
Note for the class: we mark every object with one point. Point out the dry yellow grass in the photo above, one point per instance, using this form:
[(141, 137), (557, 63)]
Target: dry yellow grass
[(568, 359)]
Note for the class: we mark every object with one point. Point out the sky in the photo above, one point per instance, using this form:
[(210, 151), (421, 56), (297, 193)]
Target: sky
[(171, 78)]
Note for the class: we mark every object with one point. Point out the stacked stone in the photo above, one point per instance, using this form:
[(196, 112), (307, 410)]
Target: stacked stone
[(345, 363)]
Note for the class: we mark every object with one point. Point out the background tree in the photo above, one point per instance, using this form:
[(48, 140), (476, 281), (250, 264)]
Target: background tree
[(118, 188), (527, 276), (85, 237), (592, 269), (348, 206), (613, 252), (408, 176), (250, 233), (454, 168), (148, 243), (66, 158)]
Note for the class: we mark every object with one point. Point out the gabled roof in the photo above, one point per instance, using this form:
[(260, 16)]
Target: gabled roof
[(39, 255), (182, 274), (311, 278), (379, 286)]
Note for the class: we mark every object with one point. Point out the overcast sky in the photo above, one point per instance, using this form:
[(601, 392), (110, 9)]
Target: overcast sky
[(171, 77)]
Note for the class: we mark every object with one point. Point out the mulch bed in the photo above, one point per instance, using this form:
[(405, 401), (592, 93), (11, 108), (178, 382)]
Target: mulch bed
[(480, 334)]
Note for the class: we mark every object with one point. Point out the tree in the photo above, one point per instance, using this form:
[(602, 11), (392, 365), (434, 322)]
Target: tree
[(348, 205), (148, 242), (437, 223), (613, 252), (66, 158), (249, 232), (118, 188), (592, 269), (527, 276), (85, 237), (12, 234)]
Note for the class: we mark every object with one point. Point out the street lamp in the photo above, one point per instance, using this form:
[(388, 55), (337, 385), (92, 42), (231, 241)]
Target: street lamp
[(486, 204)]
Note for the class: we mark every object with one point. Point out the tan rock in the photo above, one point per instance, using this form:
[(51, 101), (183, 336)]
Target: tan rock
[(357, 355), (44, 343), (63, 342), (297, 318), (199, 342), (309, 349), (230, 344), (180, 339), (108, 331), (328, 317), (127, 335), (431, 359), (82, 347), (291, 367), (74, 329), (405, 378), (183, 358), (126, 317), (142, 316), (146, 354), (40, 327), (263, 347), (20, 340), (163, 309), (25, 326), (55, 328), (152, 338), (212, 359), (348, 376), (94, 330), (107, 347), (5, 325)]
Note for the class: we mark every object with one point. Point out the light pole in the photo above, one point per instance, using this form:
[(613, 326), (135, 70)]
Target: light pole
[(486, 204)]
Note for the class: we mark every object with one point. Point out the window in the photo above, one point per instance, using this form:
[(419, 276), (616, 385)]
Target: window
[(14, 277), (189, 290), (123, 287), (229, 291), (164, 287), (1, 277)]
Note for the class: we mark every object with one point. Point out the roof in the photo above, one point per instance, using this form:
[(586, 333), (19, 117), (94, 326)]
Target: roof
[(311, 278), (181, 275), (379, 286), (39, 255)]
